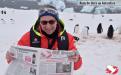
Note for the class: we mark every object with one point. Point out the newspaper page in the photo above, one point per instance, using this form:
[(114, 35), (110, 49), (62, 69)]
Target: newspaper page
[(39, 61)]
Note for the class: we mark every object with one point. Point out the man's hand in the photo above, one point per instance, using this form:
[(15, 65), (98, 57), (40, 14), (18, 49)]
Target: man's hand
[(74, 58), (9, 57)]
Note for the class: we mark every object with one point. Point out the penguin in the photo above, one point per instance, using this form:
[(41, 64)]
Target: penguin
[(110, 32), (99, 28)]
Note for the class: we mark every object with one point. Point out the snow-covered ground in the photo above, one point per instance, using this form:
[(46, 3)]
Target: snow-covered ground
[(96, 50)]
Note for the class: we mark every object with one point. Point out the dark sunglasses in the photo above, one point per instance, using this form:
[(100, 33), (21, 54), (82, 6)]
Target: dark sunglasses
[(44, 22)]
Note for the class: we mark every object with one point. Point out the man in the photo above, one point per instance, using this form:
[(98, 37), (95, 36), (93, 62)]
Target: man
[(48, 32)]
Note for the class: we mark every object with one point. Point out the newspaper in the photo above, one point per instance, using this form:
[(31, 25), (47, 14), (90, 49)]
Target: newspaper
[(40, 61)]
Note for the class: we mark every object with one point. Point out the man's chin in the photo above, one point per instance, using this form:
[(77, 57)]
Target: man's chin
[(49, 33)]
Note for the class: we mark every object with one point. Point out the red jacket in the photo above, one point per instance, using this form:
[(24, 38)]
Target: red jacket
[(25, 41)]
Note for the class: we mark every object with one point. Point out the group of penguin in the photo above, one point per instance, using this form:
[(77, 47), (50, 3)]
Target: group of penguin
[(110, 31)]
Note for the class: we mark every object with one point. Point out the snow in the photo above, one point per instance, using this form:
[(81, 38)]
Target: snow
[(96, 50)]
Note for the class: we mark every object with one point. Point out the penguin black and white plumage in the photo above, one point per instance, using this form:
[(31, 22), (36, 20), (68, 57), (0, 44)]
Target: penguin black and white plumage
[(87, 29), (77, 32), (85, 32), (110, 32), (99, 28)]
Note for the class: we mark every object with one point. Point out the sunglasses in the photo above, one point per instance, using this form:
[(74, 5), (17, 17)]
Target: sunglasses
[(44, 22)]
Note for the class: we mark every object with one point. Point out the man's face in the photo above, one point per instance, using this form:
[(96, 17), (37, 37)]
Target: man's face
[(48, 24)]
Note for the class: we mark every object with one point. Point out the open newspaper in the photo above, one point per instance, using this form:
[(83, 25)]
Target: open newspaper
[(40, 61)]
